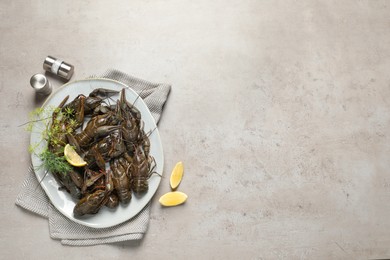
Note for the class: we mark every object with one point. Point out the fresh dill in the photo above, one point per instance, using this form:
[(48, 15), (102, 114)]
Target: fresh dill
[(55, 163), (57, 123)]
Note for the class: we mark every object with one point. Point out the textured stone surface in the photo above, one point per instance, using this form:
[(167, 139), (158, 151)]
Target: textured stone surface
[(280, 111)]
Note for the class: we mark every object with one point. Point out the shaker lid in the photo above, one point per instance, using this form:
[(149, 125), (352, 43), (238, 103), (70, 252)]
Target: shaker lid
[(66, 70), (48, 63), (58, 67)]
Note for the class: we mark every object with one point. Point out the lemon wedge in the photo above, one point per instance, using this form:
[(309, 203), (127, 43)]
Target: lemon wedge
[(173, 198), (176, 175), (73, 157)]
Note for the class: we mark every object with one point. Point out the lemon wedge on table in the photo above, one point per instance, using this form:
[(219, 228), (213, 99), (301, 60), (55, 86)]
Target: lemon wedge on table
[(173, 198), (73, 157), (176, 175)]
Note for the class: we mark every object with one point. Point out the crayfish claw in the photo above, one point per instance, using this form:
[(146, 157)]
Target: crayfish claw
[(103, 93)]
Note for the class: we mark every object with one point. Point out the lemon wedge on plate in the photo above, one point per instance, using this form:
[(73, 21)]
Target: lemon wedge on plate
[(173, 198), (73, 157), (176, 175)]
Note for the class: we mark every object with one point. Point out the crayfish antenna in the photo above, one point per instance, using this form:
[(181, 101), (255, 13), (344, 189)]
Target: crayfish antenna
[(152, 171), (139, 95), (39, 183), (148, 134), (63, 102), (73, 142)]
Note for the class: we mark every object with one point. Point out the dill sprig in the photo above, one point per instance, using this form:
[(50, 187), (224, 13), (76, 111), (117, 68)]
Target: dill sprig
[(58, 123), (54, 163)]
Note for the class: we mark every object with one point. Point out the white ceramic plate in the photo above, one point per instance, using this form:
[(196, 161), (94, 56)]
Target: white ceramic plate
[(62, 199)]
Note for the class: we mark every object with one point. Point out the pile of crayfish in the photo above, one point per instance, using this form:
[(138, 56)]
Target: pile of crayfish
[(113, 143)]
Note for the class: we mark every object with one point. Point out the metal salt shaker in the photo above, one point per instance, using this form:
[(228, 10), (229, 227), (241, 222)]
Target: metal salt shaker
[(58, 67), (41, 85)]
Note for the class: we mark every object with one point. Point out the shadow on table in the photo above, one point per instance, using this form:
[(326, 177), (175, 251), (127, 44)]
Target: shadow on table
[(39, 99), (129, 244)]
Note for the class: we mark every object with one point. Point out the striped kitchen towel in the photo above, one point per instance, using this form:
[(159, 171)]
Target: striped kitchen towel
[(34, 199)]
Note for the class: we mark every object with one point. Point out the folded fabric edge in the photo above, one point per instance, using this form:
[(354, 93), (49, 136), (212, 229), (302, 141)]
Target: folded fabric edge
[(138, 84), (31, 208), (31, 197), (133, 238), (119, 75)]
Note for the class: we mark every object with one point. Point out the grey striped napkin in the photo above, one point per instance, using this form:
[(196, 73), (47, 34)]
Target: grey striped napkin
[(33, 198)]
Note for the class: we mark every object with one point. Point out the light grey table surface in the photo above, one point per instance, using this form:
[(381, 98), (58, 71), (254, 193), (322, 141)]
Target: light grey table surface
[(280, 111)]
